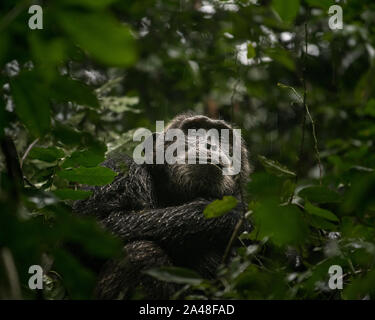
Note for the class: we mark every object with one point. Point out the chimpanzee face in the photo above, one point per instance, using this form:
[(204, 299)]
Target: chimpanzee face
[(203, 156)]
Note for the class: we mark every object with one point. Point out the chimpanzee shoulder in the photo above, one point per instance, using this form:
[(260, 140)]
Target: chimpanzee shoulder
[(131, 190)]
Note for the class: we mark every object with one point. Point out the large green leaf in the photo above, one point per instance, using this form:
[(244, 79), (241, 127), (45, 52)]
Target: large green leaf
[(283, 57), (264, 185), (66, 89), (97, 176), (319, 194), (220, 207), (97, 4), (49, 154), (370, 108), (85, 158), (320, 212), (47, 64), (70, 194), (320, 223), (79, 280), (275, 168), (361, 287), (361, 194), (100, 35), (352, 229), (286, 9), (4, 47), (284, 225), (31, 101), (324, 4), (66, 134), (251, 53)]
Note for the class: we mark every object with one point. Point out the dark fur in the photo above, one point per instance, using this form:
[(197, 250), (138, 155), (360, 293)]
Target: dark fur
[(160, 221)]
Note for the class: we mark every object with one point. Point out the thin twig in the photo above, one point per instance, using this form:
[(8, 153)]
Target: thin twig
[(304, 102), (303, 125), (27, 151), (238, 225), (11, 272), (243, 216), (306, 111), (13, 14), (28, 182), (317, 154), (235, 86), (233, 237)]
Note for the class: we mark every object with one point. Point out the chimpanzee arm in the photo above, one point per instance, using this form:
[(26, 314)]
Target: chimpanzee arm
[(130, 190), (179, 227)]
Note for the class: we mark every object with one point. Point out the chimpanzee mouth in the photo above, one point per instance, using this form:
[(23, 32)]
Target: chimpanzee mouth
[(210, 167), (220, 166)]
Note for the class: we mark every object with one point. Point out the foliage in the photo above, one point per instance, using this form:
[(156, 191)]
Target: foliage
[(78, 89), (220, 207)]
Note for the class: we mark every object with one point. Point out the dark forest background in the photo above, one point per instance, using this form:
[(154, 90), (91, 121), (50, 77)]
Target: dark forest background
[(303, 95)]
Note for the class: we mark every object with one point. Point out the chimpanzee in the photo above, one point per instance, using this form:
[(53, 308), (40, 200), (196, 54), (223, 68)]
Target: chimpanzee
[(157, 211)]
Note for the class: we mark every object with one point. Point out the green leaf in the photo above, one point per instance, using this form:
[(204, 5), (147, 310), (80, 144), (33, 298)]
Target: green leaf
[(220, 207), (47, 64), (85, 158), (284, 225), (69, 194), (31, 102), (352, 229), (319, 194), (101, 35), (97, 4), (283, 57), (361, 287), (78, 280), (66, 134), (66, 89), (320, 223), (320, 212), (49, 154), (370, 108), (287, 190), (97, 176), (94, 239), (287, 10), (324, 4), (4, 47), (250, 51), (264, 185), (361, 194), (275, 168), (175, 275)]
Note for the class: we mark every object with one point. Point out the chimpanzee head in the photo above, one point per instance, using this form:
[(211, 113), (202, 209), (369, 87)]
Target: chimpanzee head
[(202, 158)]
